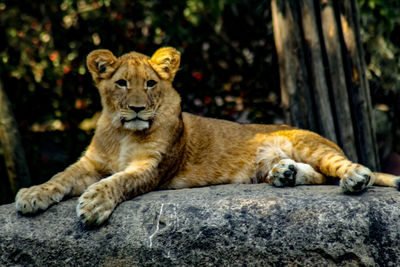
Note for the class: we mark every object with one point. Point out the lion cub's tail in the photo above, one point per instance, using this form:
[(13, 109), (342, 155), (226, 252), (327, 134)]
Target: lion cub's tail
[(385, 179)]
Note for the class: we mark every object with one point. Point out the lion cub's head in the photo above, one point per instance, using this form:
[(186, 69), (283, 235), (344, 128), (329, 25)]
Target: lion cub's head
[(133, 86)]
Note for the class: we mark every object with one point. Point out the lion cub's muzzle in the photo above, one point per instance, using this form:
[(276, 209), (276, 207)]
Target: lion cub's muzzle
[(137, 120)]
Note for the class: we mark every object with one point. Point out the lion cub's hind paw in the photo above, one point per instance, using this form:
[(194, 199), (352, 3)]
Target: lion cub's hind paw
[(283, 173), (357, 179)]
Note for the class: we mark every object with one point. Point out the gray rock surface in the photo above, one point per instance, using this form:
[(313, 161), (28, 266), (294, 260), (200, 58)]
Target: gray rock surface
[(235, 225)]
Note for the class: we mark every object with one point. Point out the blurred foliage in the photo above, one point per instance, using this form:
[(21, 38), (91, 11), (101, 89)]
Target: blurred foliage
[(229, 66), (380, 20)]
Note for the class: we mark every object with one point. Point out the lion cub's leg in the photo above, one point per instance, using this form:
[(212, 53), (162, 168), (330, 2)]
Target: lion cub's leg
[(97, 203), (327, 158), (353, 177), (288, 172), (73, 181), (320, 156)]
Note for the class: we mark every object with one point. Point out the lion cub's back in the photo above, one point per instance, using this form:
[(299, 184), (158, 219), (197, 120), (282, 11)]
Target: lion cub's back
[(228, 127), (215, 131)]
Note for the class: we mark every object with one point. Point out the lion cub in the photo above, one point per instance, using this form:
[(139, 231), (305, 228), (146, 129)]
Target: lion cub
[(143, 141)]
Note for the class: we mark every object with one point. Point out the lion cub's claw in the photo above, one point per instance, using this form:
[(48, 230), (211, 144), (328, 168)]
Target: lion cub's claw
[(283, 173), (357, 179), (93, 206)]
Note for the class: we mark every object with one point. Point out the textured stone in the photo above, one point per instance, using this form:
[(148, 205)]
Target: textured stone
[(219, 225)]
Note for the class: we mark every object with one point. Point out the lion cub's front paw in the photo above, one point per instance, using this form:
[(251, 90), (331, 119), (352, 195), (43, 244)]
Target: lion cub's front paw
[(40, 197), (283, 173), (357, 179), (96, 204)]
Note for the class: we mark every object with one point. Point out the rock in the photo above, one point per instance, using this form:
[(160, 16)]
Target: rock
[(239, 225)]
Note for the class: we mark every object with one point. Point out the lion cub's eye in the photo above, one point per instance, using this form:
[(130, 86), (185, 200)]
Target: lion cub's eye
[(122, 83), (151, 83)]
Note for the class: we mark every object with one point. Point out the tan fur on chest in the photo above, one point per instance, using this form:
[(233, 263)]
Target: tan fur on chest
[(133, 151)]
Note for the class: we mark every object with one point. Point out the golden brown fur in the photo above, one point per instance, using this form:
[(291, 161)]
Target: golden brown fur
[(143, 141)]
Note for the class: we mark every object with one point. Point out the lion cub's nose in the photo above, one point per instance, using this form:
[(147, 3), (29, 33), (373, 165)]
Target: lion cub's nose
[(137, 109)]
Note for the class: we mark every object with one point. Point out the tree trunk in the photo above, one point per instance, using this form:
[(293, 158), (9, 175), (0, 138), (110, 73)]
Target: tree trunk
[(10, 141), (321, 65)]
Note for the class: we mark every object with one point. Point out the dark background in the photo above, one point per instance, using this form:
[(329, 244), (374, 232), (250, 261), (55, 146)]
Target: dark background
[(228, 68)]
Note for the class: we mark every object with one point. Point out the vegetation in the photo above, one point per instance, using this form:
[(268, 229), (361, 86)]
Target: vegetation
[(229, 66), (380, 20)]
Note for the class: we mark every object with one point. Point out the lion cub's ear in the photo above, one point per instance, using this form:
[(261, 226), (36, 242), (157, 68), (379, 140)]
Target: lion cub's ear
[(165, 61), (101, 64)]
